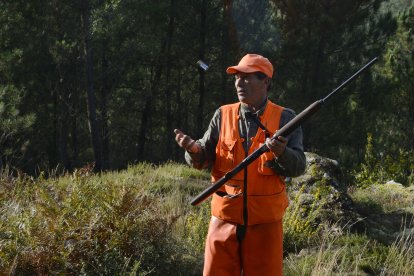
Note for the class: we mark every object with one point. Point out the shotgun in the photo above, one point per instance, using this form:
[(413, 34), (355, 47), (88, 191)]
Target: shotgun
[(284, 131)]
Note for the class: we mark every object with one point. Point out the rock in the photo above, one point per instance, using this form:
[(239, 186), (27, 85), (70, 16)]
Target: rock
[(319, 196), (321, 190), (393, 183)]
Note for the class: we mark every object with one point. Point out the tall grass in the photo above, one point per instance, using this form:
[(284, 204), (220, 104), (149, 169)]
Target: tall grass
[(400, 257), (386, 197), (130, 222), (342, 253), (139, 222), (327, 249)]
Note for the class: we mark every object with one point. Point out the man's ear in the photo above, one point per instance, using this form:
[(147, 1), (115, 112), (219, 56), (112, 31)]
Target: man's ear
[(268, 82)]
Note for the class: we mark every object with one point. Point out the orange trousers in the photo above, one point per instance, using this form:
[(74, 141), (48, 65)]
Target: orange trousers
[(259, 253)]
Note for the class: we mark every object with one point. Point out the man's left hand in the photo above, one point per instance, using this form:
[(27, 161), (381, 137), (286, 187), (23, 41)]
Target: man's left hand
[(277, 146)]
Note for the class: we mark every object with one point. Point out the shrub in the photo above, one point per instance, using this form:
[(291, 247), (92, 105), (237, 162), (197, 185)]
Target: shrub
[(113, 223), (380, 166), (302, 221)]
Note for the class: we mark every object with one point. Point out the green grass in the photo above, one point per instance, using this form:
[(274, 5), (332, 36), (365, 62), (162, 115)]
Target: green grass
[(386, 197), (136, 221), (139, 222), (353, 254)]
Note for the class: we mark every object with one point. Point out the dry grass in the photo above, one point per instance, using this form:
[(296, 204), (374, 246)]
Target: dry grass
[(387, 197), (139, 221), (115, 223)]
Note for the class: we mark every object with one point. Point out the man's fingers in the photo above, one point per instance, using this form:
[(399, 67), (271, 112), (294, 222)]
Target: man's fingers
[(282, 139), (277, 146), (269, 142), (186, 142), (179, 135), (278, 141), (182, 139)]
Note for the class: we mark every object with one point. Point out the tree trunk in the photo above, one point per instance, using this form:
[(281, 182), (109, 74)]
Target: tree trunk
[(155, 81), (168, 114), (201, 79), (146, 113), (1, 161), (105, 91), (64, 133), (74, 131), (225, 49), (61, 88), (93, 120)]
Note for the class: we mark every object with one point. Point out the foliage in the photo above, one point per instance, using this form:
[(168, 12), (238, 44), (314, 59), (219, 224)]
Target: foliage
[(323, 43), (336, 250), (14, 128), (386, 198), (399, 260), (139, 222), (142, 72), (389, 148), (302, 223), (352, 254), (144, 77), (379, 167), (115, 223)]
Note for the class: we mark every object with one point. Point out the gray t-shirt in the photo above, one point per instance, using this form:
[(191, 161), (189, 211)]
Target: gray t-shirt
[(291, 163)]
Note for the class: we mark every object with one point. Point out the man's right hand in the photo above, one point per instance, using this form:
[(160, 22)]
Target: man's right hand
[(186, 142)]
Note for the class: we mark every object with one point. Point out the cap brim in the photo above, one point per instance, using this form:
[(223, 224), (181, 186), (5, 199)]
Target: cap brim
[(243, 69)]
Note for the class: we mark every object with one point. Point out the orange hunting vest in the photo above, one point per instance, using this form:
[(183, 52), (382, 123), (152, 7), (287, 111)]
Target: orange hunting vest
[(266, 194)]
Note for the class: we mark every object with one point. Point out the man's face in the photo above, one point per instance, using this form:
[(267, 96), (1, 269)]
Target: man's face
[(250, 89)]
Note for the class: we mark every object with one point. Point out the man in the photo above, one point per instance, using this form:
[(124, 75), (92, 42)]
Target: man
[(245, 233)]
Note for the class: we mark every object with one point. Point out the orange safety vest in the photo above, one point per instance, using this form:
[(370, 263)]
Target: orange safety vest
[(266, 194)]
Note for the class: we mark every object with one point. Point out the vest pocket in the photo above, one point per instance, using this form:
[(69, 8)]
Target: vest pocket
[(262, 168), (267, 208), (227, 209), (226, 156)]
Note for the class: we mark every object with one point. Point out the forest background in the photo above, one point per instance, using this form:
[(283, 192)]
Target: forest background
[(106, 82), (94, 84)]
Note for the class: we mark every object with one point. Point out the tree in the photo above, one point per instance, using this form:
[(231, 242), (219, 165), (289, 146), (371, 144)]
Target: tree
[(322, 43), (109, 83), (14, 129), (399, 70), (89, 66), (392, 125)]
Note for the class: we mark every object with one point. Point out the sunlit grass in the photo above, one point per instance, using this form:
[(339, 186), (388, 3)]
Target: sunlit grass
[(387, 197), (133, 221), (330, 250), (400, 257), (139, 221), (353, 254)]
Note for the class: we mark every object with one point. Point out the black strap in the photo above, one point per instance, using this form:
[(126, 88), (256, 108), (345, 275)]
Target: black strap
[(241, 229), (240, 232), (255, 118)]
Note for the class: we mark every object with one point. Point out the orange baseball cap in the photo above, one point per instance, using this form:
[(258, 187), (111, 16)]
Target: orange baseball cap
[(252, 63)]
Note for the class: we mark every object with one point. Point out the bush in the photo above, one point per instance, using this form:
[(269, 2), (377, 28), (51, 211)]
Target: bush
[(114, 223), (380, 166)]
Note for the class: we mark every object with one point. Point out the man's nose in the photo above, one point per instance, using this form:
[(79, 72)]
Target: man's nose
[(239, 82)]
